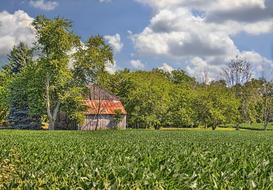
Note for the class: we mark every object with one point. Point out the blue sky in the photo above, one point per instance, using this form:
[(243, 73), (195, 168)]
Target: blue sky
[(158, 33)]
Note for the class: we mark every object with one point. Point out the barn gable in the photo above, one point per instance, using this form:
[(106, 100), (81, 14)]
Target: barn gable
[(98, 93)]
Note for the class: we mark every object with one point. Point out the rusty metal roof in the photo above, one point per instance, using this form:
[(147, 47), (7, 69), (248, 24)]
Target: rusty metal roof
[(104, 107)]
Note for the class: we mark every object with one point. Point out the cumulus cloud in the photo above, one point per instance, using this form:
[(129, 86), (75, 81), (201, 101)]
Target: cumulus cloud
[(44, 4), (213, 66), (177, 33), (199, 34), (111, 68), (137, 64), (15, 28), (167, 68), (240, 11), (115, 42)]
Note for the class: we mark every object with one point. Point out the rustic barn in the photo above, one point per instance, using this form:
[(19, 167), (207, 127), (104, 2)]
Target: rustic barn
[(104, 110)]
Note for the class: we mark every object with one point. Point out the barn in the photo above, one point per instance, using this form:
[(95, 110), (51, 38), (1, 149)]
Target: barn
[(104, 110)]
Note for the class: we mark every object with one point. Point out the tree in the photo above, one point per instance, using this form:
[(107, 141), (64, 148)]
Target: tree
[(180, 111), (216, 105), (19, 57), (180, 77), (266, 93), (54, 40), (4, 95), (117, 118), (19, 111), (90, 62), (237, 72), (146, 101), (91, 59)]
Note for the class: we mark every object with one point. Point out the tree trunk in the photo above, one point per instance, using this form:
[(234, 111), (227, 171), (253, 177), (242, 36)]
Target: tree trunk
[(237, 126), (265, 109), (51, 125), (51, 117), (98, 112)]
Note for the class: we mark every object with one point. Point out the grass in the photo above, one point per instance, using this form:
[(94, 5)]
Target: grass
[(198, 129), (256, 126), (136, 159)]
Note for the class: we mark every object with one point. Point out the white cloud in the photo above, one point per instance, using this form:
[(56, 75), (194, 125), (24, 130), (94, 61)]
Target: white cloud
[(167, 68), (213, 66), (260, 65), (199, 34), (44, 4), (15, 28), (177, 33), (111, 68), (137, 64), (115, 42)]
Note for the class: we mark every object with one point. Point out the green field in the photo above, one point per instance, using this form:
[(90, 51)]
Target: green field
[(135, 159)]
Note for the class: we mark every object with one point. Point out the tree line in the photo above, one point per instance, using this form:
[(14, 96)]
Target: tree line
[(155, 99), (41, 83)]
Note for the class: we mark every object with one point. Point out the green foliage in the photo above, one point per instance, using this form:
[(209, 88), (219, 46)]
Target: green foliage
[(135, 160), (91, 59), (19, 112), (158, 99), (148, 101), (4, 96), (72, 104), (117, 118), (55, 81), (19, 116), (216, 105), (181, 111), (55, 38), (18, 58)]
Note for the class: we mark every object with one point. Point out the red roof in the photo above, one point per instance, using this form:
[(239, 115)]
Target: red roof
[(107, 107)]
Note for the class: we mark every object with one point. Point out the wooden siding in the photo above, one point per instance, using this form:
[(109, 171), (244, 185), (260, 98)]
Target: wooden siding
[(105, 122)]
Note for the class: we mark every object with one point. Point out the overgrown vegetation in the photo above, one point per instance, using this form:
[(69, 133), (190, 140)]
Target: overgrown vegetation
[(136, 159)]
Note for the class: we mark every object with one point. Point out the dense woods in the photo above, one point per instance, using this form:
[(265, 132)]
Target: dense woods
[(39, 83)]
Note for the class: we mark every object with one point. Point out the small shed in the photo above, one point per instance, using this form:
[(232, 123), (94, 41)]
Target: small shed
[(104, 110)]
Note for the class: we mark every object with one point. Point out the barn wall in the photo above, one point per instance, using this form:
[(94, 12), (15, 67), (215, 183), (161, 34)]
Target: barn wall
[(105, 122)]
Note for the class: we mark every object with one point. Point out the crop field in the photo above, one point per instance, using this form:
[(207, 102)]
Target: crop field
[(136, 160)]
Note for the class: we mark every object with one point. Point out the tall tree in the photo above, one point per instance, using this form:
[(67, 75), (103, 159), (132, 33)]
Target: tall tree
[(89, 64), (19, 112), (19, 57), (55, 40), (266, 92), (216, 105), (91, 59), (238, 71)]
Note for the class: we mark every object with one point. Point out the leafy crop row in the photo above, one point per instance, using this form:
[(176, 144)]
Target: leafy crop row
[(136, 160)]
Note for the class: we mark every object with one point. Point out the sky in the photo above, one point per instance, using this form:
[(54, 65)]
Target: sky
[(198, 36)]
